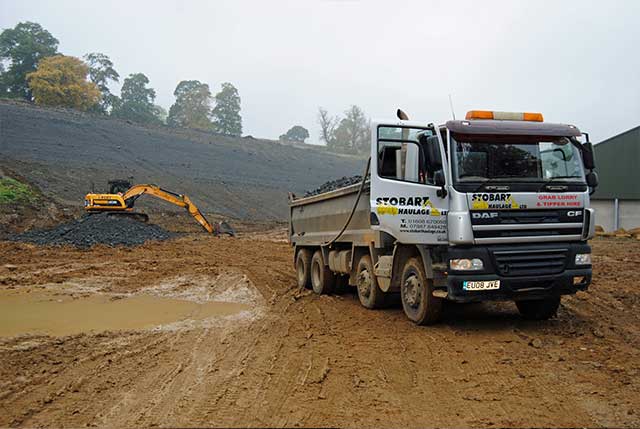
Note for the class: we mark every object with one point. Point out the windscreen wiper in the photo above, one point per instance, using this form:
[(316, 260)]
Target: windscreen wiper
[(503, 186), (553, 180)]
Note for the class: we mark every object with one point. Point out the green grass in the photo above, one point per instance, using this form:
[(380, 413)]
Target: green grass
[(13, 191)]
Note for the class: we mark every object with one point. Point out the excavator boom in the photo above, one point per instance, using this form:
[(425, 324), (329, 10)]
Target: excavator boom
[(171, 197)]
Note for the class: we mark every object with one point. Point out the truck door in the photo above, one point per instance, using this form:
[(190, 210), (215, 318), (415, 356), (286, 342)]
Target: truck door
[(404, 196)]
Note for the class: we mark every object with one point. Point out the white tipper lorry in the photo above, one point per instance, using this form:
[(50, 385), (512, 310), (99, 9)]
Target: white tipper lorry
[(493, 207)]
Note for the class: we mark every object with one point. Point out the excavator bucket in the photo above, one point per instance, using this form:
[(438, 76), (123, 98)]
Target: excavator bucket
[(223, 227)]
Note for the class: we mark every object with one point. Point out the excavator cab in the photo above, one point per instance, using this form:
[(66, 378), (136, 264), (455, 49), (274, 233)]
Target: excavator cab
[(118, 186)]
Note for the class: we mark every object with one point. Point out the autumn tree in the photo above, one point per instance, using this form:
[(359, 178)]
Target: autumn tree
[(226, 113), (102, 72), (62, 81), (296, 133), (21, 49), (192, 108), (136, 101)]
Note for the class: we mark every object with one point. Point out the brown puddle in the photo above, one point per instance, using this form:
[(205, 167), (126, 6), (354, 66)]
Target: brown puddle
[(40, 312)]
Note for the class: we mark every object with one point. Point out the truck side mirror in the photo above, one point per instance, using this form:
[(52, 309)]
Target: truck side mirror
[(592, 179), (587, 156), (439, 180), (432, 149)]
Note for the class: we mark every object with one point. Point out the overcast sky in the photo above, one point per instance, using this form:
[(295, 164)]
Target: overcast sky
[(575, 61)]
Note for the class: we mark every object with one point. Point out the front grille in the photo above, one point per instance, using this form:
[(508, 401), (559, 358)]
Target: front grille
[(492, 225), (530, 262), (532, 232), (525, 216)]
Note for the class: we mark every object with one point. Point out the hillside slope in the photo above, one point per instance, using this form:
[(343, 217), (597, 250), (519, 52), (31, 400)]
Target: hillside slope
[(65, 152)]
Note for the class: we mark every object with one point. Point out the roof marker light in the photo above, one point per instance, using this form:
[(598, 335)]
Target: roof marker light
[(505, 116)]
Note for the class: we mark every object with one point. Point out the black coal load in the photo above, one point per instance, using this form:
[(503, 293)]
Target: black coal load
[(332, 185), (111, 230)]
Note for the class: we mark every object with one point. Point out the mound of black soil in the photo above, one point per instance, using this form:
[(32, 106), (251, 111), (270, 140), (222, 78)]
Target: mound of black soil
[(334, 184), (111, 230)]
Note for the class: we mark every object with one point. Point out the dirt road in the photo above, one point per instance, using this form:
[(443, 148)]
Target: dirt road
[(291, 358)]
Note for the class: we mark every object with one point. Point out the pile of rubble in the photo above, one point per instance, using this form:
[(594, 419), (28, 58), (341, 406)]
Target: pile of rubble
[(332, 185), (110, 230), (619, 233)]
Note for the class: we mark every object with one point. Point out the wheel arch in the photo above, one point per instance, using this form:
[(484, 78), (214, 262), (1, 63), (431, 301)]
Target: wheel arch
[(356, 254), (402, 253), (297, 249)]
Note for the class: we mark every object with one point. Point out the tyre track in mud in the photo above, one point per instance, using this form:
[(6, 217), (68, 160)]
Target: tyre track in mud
[(305, 360)]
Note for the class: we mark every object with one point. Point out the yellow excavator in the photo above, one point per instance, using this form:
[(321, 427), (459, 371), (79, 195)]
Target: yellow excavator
[(122, 197)]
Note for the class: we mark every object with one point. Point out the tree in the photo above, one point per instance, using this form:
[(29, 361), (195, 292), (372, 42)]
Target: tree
[(21, 48), (101, 72), (296, 134), (226, 114), (350, 134), (160, 113), (62, 81), (327, 127), (192, 108), (353, 132), (136, 101)]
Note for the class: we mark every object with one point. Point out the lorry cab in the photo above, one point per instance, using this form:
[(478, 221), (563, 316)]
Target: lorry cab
[(492, 207)]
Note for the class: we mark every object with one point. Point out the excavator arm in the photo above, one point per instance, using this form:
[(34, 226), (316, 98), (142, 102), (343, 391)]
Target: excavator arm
[(171, 197)]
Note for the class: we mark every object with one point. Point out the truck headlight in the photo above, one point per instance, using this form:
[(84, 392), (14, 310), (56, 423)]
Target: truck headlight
[(583, 259), (466, 264)]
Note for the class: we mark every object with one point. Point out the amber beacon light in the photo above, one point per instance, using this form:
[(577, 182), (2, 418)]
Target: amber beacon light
[(504, 116)]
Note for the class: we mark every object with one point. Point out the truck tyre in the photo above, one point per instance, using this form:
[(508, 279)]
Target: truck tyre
[(416, 291), (539, 309), (303, 268), (322, 279), (369, 293)]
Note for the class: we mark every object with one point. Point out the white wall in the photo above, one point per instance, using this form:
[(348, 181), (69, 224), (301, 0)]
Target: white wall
[(629, 212)]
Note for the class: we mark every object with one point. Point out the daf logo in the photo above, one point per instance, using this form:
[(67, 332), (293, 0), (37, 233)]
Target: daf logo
[(573, 213), (484, 215)]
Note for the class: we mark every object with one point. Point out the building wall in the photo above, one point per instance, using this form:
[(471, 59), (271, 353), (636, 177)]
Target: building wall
[(617, 160), (629, 214)]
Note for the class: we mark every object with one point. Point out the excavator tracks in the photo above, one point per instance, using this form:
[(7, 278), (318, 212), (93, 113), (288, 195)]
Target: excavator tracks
[(140, 217)]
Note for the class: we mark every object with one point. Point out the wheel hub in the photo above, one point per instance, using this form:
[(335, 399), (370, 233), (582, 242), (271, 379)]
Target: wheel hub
[(364, 283), (412, 291)]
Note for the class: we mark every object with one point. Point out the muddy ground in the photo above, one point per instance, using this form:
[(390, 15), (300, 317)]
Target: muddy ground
[(284, 357)]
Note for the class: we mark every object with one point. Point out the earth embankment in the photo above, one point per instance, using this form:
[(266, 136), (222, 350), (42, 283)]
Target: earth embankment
[(67, 153)]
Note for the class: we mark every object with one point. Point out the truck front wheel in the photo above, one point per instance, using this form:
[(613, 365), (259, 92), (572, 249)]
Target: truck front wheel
[(539, 309), (416, 291), (369, 293), (303, 268), (322, 279)]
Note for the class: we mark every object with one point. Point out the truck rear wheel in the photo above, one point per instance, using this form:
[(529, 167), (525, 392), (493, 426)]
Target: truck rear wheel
[(539, 309), (322, 279), (369, 293), (303, 268), (416, 291)]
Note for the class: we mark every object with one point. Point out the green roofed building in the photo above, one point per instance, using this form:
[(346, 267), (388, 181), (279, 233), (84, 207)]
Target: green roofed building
[(617, 198)]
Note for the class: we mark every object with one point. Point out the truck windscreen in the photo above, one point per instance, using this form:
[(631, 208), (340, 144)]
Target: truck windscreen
[(498, 158)]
